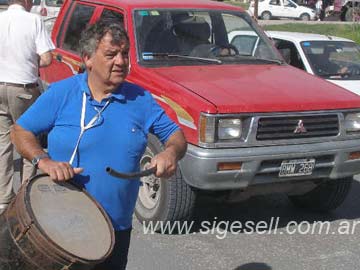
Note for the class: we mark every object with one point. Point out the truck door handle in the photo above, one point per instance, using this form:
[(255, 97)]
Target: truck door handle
[(59, 57)]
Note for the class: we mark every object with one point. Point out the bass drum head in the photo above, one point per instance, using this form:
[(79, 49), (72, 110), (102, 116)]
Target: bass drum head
[(70, 218)]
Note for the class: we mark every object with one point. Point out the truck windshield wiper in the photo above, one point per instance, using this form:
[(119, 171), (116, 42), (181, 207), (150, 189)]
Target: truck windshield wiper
[(150, 55), (271, 61)]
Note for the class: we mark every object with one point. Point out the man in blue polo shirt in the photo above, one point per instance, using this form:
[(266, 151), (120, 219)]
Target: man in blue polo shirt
[(97, 120)]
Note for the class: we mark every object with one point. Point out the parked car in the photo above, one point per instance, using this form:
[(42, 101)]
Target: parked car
[(271, 9), (332, 58), (46, 8), (254, 124)]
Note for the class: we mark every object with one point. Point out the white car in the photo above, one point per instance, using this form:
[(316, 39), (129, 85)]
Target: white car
[(269, 9), (332, 58), (46, 8)]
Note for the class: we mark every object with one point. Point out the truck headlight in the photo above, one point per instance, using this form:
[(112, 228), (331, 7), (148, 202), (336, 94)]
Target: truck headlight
[(219, 128), (352, 122), (229, 129)]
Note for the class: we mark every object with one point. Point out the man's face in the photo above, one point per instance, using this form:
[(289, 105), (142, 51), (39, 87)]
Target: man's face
[(110, 62)]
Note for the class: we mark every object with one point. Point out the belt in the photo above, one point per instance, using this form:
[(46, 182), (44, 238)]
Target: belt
[(22, 85)]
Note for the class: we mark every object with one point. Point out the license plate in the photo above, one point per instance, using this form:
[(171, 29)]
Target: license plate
[(297, 167)]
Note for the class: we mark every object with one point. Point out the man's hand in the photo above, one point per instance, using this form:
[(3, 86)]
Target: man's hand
[(28, 146), (166, 161), (58, 171), (343, 70)]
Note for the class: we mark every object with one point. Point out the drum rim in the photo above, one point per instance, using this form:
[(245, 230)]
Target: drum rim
[(56, 246)]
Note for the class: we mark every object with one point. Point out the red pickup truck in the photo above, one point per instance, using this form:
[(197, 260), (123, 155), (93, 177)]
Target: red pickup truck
[(254, 124)]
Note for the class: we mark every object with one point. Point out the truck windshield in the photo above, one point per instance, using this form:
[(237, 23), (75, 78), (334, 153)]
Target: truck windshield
[(198, 37), (338, 60)]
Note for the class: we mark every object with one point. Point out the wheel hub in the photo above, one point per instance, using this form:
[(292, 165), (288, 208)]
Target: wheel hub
[(149, 192)]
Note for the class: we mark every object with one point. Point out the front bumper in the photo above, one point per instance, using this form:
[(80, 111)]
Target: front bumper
[(261, 165)]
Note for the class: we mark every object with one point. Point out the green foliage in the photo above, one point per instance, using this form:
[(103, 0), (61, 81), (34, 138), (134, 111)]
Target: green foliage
[(238, 3), (350, 31)]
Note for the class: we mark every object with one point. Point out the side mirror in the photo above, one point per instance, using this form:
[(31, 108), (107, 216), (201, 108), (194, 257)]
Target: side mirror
[(286, 54)]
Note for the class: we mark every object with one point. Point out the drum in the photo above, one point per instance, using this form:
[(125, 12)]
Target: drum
[(54, 226)]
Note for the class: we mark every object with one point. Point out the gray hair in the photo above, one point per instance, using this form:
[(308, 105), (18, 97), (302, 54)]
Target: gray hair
[(93, 34)]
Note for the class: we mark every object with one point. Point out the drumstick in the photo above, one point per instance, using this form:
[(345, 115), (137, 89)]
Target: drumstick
[(133, 175)]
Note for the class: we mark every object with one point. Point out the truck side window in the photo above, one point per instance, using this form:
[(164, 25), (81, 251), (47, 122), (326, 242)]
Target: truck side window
[(108, 14), (245, 44), (78, 21)]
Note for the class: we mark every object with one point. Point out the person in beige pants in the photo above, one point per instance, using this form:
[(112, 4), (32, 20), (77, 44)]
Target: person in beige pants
[(24, 47), (14, 101)]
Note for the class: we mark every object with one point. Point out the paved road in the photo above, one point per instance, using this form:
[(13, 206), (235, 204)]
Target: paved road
[(278, 250)]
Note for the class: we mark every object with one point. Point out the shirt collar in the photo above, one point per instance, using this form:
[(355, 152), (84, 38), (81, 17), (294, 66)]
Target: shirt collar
[(117, 94), (16, 6)]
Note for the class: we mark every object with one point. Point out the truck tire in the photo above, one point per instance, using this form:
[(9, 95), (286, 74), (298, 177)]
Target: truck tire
[(164, 200), (305, 17), (325, 197), (266, 15)]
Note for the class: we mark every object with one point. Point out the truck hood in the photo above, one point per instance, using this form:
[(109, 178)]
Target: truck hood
[(259, 88)]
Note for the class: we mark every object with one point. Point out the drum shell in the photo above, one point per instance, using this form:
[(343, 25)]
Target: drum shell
[(30, 247)]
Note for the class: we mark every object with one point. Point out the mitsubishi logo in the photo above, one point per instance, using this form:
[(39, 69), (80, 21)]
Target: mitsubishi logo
[(300, 127)]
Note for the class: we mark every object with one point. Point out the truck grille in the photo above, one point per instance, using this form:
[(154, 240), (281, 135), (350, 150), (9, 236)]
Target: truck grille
[(294, 127)]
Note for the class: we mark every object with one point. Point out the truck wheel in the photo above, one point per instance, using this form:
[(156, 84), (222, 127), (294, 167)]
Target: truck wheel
[(325, 197), (352, 14), (266, 15), (305, 17), (164, 200)]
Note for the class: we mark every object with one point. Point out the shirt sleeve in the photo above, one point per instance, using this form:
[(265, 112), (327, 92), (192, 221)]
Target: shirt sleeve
[(43, 41), (41, 115), (159, 123)]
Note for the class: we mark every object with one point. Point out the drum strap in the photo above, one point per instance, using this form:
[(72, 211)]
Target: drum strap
[(84, 127)]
